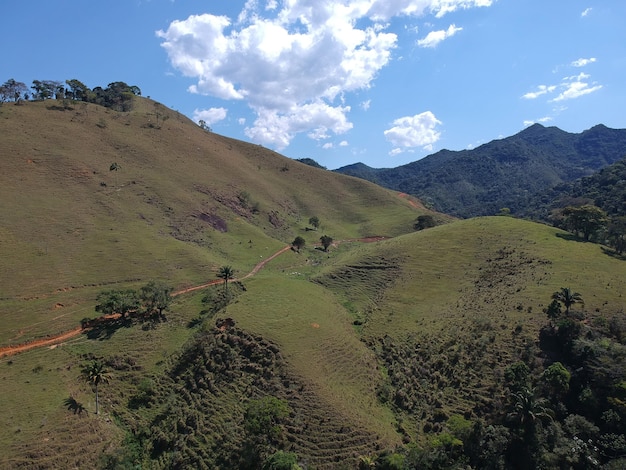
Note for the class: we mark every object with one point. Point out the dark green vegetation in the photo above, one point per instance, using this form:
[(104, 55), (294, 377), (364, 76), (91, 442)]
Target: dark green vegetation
[(117, 95), (425, 349), (502, 173), (605, 189)]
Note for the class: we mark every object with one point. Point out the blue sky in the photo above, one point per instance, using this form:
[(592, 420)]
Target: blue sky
[(383, 82)]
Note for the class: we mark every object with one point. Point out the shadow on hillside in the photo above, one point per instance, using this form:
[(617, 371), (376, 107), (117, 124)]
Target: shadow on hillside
[(570, 237), (106, 329), (59, 108), (613, 254)]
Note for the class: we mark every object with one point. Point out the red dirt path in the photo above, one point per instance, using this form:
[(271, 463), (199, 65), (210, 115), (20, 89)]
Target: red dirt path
[(53, 340)]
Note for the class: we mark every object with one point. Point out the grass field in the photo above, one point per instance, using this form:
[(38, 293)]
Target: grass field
[(437, 314)]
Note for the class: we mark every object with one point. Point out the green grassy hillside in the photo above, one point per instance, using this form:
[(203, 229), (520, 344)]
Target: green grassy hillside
[(369, 346), (182, 203)]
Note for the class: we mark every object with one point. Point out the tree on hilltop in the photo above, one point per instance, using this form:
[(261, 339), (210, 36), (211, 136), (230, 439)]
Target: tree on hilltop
[(326, 241), (77, 90), (123, 302), (424, 221), (586, 219), (298, 243), (12, 90), (156, 297), (315, 222), (617, 234)]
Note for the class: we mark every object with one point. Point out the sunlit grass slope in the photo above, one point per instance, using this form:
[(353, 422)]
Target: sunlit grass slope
[(93, 198), (463, 301)]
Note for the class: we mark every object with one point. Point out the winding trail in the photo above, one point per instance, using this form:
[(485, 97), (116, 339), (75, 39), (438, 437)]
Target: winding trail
[(54, 340)]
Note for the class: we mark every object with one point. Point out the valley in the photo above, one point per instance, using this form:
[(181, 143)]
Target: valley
[(415, 350)]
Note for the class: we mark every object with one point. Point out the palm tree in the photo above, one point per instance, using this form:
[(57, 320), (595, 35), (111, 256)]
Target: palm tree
[(527, 409), (95, 374), (226, 273), (567, 298)]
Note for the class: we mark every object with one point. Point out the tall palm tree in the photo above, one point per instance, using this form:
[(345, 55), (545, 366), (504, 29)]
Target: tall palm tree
[(95, 374), (226, 273), (567, 298), (527, 409)]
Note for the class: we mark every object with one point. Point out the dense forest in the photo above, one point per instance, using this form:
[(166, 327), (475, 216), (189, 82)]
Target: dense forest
[(605, 189), (504, 173)]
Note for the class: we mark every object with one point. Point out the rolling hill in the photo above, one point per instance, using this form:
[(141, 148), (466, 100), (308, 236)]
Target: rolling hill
[(503, 173), (394, 345)]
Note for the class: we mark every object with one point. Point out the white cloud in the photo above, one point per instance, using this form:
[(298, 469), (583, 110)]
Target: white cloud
[(327, 146), (582, 62), (570, 88), (241, 121), (541, 90), (365, 105), (275, 128), (535, 121), (435, 37), (442, 7), (291, 61), (586, 11), (413, 131), (210, 116), (343, 143), (575, 87)]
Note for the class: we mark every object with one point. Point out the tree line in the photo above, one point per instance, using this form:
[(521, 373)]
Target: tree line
[(117, 95), (591, 223)]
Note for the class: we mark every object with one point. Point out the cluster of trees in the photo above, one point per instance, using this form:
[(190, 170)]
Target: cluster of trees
[(117, 95), (150, 300), (591, 223), (298, 243)]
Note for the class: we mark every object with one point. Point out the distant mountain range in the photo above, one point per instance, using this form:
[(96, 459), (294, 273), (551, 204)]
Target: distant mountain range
[(508, 172)]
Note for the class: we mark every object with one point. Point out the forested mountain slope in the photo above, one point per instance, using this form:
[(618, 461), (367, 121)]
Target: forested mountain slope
[(605, 189), (503, 173)]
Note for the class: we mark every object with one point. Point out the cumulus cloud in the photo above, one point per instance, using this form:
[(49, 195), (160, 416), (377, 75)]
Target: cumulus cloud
[(413, 131), (278, 128), (586, 11), (435, 37), (582, 62), (210, 116), (291, 62)]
